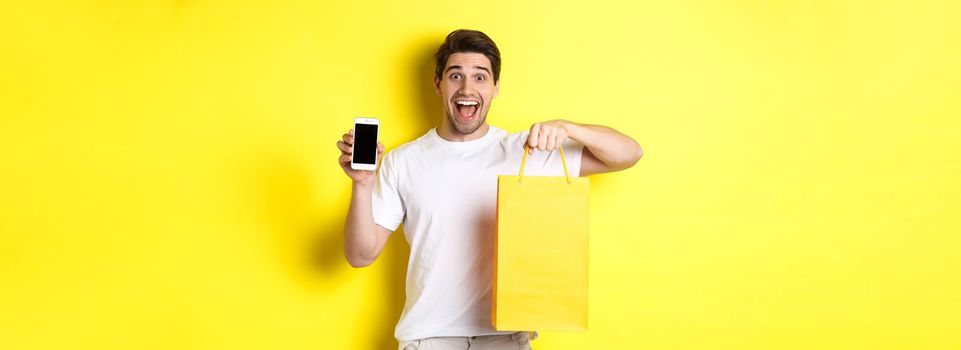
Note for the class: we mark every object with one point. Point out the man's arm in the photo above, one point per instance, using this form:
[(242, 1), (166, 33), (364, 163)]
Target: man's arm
[(605, 149), (363, 239)]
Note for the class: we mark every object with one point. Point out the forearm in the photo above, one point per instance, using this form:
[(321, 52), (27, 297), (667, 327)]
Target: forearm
[(609, 146), (360, 238)]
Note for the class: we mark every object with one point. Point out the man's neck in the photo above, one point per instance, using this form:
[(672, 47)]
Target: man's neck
[(447, 132)]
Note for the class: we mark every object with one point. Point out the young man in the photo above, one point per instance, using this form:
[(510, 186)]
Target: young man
[(443, 188)]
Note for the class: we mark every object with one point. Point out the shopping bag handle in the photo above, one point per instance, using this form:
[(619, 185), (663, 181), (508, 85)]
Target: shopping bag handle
[(524, 161)]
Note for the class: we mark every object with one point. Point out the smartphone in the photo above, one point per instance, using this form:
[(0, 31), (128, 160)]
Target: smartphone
[(366, 135)]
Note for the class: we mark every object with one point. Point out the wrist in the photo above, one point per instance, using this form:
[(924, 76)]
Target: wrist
[(366, 185), (573, 130)]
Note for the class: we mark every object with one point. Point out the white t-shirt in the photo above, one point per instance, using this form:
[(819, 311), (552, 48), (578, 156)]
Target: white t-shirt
[(445, 194)]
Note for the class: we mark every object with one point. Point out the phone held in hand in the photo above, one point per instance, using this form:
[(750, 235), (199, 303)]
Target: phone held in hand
[(366, 135)]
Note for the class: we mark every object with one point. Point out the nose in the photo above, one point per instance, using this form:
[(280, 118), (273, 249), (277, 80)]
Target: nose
[(466, 88)]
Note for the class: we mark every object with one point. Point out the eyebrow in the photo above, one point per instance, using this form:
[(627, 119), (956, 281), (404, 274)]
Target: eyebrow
[(476, 67)]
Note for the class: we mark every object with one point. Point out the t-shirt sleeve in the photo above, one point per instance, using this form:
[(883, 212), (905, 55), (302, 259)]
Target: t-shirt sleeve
[(386, 202)]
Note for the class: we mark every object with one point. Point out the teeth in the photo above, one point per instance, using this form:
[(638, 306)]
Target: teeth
[(466, 103)]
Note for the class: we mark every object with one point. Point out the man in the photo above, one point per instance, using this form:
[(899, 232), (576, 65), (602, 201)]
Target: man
[(443, 188)]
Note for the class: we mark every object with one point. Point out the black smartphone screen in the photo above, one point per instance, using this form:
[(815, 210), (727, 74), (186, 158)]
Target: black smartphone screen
[(365, 143)]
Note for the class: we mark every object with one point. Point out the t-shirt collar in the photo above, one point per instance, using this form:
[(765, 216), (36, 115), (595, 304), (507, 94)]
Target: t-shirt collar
[(465, 145)]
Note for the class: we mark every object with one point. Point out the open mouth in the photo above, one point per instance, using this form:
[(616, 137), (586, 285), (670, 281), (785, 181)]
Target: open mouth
[(466, 109)]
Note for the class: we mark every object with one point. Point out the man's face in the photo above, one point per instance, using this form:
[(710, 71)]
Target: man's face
[(467, 86)]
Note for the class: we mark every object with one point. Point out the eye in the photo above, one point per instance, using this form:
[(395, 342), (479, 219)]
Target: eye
[(455, 76), (481, 77)]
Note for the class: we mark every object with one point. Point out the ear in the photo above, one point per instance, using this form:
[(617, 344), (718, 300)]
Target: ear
[(437, 85), (497, 88)]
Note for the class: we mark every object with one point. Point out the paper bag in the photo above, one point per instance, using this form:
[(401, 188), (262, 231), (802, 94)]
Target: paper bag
[(540, 271)]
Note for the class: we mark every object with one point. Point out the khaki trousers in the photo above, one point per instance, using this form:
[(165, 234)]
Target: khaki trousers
[(513, 341)]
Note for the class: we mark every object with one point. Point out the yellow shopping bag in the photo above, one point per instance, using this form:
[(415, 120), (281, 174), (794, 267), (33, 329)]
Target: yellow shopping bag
[(540, 264)]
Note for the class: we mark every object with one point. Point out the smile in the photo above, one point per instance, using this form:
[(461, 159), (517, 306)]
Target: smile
[(466, 108)]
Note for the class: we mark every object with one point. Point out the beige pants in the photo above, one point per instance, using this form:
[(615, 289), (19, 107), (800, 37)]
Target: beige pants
[(513, 341)]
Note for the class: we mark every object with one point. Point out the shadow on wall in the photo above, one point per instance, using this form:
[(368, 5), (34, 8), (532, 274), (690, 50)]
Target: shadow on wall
[(309, 244), (397, 251), (431, 108), (327, 256)]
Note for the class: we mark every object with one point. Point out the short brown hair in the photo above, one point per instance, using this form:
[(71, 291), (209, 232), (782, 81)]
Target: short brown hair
[(466, 40)]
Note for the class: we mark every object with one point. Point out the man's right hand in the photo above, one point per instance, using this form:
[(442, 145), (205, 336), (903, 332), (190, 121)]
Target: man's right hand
[(346, 147)]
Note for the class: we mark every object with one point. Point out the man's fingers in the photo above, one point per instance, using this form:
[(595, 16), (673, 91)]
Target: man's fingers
[(349, 139), (534, 134), (542, 141), (380, 147), (344, 160), (344, 147), (550, 140)]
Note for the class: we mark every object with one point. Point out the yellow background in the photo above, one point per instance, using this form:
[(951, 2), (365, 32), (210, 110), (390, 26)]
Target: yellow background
[(168, 174)]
